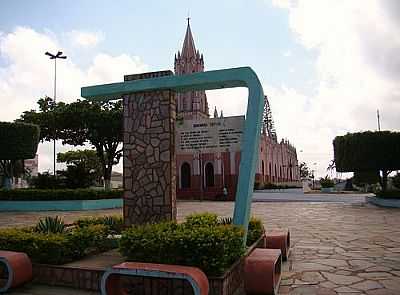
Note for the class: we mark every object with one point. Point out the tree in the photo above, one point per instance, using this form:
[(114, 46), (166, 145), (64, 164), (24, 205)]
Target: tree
[(85, 162), (396, 181), (304, 170), (81, 122), (368, 151), (331, 167), (18, 141)]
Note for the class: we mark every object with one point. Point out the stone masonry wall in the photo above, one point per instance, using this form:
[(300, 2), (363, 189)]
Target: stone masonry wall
[(149, 155)]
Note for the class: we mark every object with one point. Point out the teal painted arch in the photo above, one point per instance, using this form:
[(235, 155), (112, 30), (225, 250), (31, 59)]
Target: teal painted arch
[(226, 78)]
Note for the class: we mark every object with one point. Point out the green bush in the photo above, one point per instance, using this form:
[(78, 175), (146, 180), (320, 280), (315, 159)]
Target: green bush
[(212, 248), (47, 181), (90, 239), (388, 194), (18, 141), (58, 194), (202, 219), (114, 223), (255, 229), (58, 248), (326, 182)]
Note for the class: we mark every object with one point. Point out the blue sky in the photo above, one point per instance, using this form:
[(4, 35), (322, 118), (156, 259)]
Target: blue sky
[(229, 33), (316, 59)]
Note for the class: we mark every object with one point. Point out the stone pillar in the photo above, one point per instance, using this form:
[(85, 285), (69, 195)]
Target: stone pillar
[(149, 154)]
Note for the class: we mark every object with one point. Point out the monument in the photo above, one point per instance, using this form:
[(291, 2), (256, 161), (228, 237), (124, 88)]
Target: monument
[(149, 106)]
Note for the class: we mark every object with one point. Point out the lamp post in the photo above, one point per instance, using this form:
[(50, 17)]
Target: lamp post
[(55, 56)]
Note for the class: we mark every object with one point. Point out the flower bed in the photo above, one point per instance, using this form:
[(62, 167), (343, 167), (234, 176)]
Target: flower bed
[(53, 243)]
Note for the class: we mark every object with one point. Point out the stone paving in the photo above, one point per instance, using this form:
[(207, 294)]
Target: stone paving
[(346, 249)]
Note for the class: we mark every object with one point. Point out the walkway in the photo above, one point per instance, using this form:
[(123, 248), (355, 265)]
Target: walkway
[(338, 248)]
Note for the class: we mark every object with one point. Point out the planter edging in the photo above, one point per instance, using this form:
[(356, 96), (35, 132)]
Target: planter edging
[(63, 205), (382, 202)]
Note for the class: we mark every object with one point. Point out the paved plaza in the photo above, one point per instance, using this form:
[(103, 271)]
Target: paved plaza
[(338, 248)]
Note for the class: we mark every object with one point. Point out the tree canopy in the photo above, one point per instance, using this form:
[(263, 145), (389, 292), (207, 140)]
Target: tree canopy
[(81, 122), (368, 151), (18, 141)]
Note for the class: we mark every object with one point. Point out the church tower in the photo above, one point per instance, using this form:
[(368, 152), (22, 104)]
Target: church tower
[(191, 104)]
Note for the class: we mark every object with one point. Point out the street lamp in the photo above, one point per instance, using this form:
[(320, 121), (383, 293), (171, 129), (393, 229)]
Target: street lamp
[(55, 56)]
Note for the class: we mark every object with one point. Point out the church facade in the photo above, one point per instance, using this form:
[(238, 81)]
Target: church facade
[(205, 175)]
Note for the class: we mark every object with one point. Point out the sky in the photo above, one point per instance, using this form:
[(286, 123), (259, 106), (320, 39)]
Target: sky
[(326, 66)]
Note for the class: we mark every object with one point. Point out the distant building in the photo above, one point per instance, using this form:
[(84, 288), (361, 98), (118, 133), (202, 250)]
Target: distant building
[(32, 165), (205, 175)]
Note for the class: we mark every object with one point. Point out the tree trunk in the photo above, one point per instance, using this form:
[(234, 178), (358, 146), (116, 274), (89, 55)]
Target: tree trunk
[(107, 178), (7, 182), (384, 180)]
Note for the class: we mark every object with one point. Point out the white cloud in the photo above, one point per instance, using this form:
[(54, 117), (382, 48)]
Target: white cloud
[(287, 53), (85, 39), (358, 69), (27, 75), (233, 101)]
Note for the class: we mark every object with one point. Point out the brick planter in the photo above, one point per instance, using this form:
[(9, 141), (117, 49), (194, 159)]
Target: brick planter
[(88, 278)]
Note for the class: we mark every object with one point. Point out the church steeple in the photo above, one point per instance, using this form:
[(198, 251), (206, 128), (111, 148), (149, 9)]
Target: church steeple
[(193, 104), (188, 48)]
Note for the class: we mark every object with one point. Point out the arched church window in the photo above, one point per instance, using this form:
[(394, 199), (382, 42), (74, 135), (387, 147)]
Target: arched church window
[(262, 167), (209, 171), (185, 175)]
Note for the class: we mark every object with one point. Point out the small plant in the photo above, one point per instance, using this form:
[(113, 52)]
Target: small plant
[(53, 225), (326, 182)]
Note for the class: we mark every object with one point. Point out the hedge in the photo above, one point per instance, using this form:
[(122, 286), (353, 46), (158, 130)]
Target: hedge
[(367, 151), (388, 195), (211, 248), (56, 248), (18, 140), (203, 240), (58, 194)]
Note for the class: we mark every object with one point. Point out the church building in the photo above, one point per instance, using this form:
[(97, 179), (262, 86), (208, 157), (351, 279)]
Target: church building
[(205, 175)]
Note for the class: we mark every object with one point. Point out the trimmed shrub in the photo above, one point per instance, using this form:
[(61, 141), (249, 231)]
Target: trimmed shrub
[(212, 248), (114, 223), (255, 229), (18, 140), (58, 248), (202, 219), (58, 194), (367, 151)]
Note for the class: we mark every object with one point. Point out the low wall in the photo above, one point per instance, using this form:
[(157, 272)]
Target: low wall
[(381, 202), (65, 205)]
